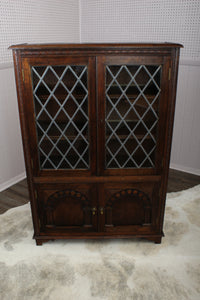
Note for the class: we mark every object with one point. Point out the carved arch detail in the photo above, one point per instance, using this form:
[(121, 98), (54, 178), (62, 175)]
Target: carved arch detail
[(54, 199), (56, 214), (136, 195), (130, 192)]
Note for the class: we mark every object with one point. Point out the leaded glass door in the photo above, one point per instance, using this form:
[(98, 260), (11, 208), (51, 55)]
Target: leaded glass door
[(131, 106), (61, 93)]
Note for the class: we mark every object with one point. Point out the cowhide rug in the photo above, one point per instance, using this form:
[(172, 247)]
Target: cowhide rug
[(111, 269)]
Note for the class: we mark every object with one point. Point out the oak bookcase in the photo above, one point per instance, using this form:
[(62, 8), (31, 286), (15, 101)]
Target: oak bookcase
[(96, 123)]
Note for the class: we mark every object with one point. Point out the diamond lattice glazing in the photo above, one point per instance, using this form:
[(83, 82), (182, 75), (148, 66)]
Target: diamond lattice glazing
[(132, 101), (61, 116)]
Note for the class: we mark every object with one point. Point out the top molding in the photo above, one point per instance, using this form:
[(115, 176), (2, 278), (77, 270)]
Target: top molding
[(95, 46)]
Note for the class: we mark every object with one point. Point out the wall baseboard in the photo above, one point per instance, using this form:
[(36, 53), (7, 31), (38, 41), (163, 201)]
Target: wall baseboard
[(12, 181), (185, 169)]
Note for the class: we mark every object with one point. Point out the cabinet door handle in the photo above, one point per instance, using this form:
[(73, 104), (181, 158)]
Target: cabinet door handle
[(94, 211), (101, 210)]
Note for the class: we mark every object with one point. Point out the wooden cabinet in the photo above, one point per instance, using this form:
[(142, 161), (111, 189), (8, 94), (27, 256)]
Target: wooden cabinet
[(96, 123)]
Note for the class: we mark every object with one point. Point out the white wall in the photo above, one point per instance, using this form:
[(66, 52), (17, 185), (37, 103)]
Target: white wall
[(158, 21), (23, 21), (143, 20), (11, 154), (36, 21), (186, 138)]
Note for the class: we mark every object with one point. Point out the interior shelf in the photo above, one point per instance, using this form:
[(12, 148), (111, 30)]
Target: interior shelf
[(59, 96), (132, 89)]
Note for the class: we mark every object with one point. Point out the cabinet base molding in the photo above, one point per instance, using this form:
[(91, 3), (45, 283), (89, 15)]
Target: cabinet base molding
[(153, 238)]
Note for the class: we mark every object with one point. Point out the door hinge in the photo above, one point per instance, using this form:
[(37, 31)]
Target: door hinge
[(32, 163), (169, 76), (23, 75)]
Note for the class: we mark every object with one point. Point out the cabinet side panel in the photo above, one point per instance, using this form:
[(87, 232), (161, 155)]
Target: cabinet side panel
[(25, 139), (173, 76)]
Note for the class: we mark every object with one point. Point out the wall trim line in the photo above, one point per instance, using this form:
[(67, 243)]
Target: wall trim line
[(12, 181), (7, 65), (185, 169)]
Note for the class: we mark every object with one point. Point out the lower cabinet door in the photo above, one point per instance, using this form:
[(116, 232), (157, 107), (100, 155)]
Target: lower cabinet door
[(130, 208), (68, 208)]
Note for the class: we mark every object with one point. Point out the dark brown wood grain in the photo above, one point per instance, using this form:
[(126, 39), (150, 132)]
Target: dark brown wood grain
[(18, 194), (168, 134), (98, 202), (96, 46)]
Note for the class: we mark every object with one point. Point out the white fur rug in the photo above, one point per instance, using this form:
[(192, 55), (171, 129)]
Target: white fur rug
[(111, 269)]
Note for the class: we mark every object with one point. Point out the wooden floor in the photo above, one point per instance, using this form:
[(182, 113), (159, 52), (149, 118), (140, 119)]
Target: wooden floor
[(18, 195)]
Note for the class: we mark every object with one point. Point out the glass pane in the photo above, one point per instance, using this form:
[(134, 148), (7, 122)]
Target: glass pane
[(61, 116), (132, 103)]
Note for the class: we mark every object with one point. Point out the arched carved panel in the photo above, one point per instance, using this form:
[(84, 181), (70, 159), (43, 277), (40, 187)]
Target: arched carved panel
[(128, 207), (68, 208), (56, 197)]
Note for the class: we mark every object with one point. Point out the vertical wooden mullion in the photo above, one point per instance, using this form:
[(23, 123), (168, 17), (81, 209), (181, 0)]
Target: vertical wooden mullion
[(101, 114), (92, 113)]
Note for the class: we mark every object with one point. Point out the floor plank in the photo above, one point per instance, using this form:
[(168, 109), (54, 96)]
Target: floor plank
[(14, 196), (179, 181)]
